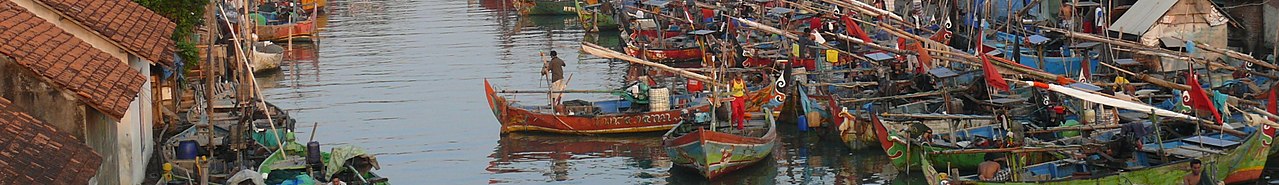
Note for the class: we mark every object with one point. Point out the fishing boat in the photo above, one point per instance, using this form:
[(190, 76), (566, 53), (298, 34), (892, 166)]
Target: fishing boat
[(715, 151), (602, 117), (298, 31), (266, 57), (346, 163), (545, 7), (903, 152), (1230, 159), (313, 5), (592, 14)]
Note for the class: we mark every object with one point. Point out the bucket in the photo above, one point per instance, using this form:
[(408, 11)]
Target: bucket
[(659, 99), (187, 149)]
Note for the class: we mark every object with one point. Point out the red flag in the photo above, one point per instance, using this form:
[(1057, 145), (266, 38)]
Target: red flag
[(1199, 98), (993, 79), (855, 30)]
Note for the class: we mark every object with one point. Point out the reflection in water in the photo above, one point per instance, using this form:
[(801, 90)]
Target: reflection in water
[(402, 78)]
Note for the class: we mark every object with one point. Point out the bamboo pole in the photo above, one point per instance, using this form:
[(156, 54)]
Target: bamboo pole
[(1136, 46), (858, 41), (915, 95), (1012, 150), (1074, 128), (937, 116), (1171, 85), (608, 53), (774, 30), (563, 91), (1232, 54)]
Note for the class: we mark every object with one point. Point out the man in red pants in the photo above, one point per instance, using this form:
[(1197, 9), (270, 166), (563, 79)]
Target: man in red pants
[(738, 88)]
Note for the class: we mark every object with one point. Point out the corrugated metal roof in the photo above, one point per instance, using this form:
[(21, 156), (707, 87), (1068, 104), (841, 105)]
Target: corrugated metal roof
[(1142, 16)]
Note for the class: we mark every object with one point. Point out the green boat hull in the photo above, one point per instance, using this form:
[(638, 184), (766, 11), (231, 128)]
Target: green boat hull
[(1242, 164), (593, 20), (536, 7), (296, 152)]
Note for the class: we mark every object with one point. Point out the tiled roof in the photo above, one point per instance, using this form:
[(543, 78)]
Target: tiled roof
[(135, 27), (33, 152), (100, 80)]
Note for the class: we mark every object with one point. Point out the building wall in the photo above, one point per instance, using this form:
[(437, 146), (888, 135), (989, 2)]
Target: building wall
[(47, 103), (101, 134), (134, 135), (126, 145), (1271, 18)]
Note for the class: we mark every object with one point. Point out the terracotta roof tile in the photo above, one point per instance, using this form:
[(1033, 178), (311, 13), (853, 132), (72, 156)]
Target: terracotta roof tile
[(35, 152), (68, 61), (136, 28)]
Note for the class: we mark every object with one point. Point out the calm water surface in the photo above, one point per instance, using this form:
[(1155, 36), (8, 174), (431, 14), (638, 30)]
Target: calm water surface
[(404, 80)]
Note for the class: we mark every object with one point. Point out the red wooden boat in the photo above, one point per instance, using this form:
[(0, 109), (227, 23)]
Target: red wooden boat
[(665, 55), (301, 31), (530, 118)]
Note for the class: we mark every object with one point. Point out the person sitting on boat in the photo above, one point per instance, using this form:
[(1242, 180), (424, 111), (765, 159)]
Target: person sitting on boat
[(739, 101), (1195, 176), (556, 67), (992, 169)]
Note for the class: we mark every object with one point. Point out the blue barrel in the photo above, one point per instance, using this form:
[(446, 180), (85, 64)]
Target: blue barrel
[(187, 149)]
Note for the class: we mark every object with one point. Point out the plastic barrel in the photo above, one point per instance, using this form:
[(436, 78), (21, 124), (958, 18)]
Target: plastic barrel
[(188, 149), (659, 99)]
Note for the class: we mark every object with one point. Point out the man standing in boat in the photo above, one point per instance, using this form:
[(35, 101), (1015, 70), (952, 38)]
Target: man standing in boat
[(739, 101), (556, 68)]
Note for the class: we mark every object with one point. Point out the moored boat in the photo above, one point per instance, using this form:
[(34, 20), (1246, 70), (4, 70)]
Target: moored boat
[(545, 7), (715, 151), (266, 57), (298, 31), (601, 117), (592, 14), (1236, 160)]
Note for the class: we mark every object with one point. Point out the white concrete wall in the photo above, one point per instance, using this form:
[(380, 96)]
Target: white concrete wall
[(134, 133)]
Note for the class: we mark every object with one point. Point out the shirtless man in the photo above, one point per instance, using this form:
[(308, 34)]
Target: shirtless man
[(1195, 175), (992, 169)]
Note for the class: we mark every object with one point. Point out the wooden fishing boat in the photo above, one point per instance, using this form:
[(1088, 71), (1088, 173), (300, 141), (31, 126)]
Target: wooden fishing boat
[(1060, 65), (903, 153), (591, 14), (346, 163), (298, 31), (665, 55), (602, 117), (545, 7), (266, 57), (1242, 161), (717, 151), (313, 5)]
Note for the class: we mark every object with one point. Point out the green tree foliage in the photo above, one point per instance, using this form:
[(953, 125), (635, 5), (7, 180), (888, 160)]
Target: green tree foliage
[(186, 14)]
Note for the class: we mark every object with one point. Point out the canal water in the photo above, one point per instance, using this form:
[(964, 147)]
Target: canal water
[(404, 80)]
